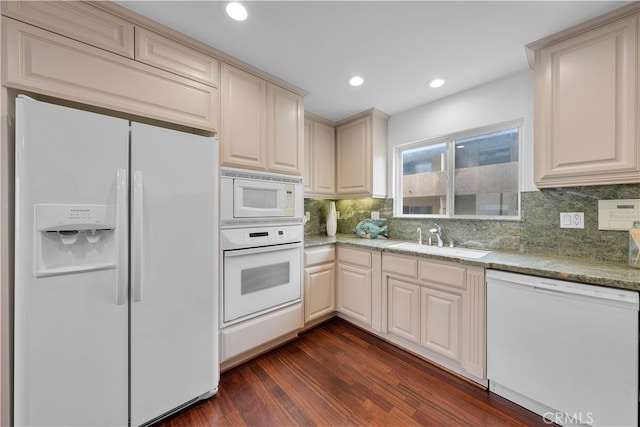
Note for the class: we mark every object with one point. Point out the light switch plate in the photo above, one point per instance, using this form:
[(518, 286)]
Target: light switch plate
[(571, 219)]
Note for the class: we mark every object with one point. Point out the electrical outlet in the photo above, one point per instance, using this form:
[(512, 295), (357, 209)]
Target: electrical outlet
[(375, 215), (337, 214), (307, 216), (571, 219)]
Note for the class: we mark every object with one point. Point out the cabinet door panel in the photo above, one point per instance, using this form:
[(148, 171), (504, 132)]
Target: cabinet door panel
[(353, 143), (285, 127), (354, 292), (586, 108), (319, 295), (440, 322), (404, 313), (324, 159), (243, 119)]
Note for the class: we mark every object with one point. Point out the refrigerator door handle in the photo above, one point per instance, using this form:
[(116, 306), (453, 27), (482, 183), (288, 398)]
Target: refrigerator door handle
[(137, 238), (122, 234)]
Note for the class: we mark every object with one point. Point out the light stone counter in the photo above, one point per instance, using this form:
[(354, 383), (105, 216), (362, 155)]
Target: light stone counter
[(615, 275)]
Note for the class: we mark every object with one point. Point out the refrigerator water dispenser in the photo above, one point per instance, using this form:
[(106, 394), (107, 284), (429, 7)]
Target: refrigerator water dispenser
[(74, 238)]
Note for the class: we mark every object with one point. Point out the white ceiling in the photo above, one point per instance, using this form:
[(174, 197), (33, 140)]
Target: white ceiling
[(397, 46)]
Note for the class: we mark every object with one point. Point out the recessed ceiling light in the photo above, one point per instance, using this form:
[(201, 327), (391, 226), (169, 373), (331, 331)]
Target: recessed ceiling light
[(437, 82), (356, 81), (236, 11)]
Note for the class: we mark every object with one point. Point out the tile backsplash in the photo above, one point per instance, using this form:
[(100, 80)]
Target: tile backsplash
[(538, 230)]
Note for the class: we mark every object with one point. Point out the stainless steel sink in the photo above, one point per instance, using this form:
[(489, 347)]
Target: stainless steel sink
[(444, 250)]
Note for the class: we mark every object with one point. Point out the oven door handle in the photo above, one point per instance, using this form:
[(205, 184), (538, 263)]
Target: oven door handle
[(261, 249)]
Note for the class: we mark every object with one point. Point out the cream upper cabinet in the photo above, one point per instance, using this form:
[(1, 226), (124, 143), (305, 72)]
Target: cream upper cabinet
[(307, 168), (320, 157), (243, 123), (285, 121), (43, 62), (361, 152), (76, 20), (587, 130), (162, 52), (261, 124)]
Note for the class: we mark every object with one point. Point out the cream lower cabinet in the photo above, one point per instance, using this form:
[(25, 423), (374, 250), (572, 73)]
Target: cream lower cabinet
[(436, 309), (404, 309), (358, 286), (440, 314), (319, 284)]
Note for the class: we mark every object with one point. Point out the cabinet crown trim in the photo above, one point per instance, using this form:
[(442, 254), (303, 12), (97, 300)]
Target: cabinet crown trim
[(583, 27), (370, 112)]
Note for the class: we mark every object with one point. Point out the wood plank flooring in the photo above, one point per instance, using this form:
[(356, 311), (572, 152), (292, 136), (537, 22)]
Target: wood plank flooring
[(339, 375)]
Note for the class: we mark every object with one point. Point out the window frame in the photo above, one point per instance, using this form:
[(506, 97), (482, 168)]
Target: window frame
[(450, 141)]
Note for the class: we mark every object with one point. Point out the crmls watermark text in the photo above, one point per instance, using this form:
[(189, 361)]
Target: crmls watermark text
[(564, 418)]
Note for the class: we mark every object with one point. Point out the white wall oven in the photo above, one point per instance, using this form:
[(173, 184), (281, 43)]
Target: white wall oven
[(261, 270), (250, 198), (261, 246)]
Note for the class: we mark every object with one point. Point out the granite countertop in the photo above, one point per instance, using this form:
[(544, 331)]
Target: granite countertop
[(583, 270)]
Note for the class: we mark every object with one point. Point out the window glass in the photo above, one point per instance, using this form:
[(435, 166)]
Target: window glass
[(471, 175), (424, 180), (486, 174)]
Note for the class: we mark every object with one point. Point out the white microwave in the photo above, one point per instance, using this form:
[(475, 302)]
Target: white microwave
[(255, 197)]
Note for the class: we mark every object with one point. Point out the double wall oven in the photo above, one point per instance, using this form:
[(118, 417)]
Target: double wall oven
[(261, 234)]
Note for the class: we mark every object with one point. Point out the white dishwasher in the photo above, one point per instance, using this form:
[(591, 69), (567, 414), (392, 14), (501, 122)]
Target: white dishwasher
[(567, 351)]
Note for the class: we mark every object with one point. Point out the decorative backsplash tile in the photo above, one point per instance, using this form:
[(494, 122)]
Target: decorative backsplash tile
[(538, 230)]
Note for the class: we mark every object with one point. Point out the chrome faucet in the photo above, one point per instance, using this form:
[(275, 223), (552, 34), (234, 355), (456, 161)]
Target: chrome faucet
[(419, 230), (437, 230)]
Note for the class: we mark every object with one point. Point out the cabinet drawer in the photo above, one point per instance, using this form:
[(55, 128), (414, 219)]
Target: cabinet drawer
[(320, 255), (354, 256), (164, 53), (77, 20), (400, 265), (43, 62), (443, 273)]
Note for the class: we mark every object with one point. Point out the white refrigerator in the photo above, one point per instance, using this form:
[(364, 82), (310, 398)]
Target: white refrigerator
[(115, 292)]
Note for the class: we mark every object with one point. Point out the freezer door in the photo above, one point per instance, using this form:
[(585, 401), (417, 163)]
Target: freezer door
[(173, 270), (70, 348)]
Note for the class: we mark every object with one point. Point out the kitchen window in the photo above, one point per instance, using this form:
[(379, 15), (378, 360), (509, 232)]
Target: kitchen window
[(474, 174)]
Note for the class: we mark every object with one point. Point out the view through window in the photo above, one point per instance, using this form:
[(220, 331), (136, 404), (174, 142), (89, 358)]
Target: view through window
[(471, 175)]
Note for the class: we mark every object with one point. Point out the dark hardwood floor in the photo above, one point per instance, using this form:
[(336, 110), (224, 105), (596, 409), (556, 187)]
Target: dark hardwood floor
[(339, 375)]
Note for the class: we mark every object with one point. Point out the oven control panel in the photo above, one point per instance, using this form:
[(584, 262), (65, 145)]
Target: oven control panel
[(238, 238)]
